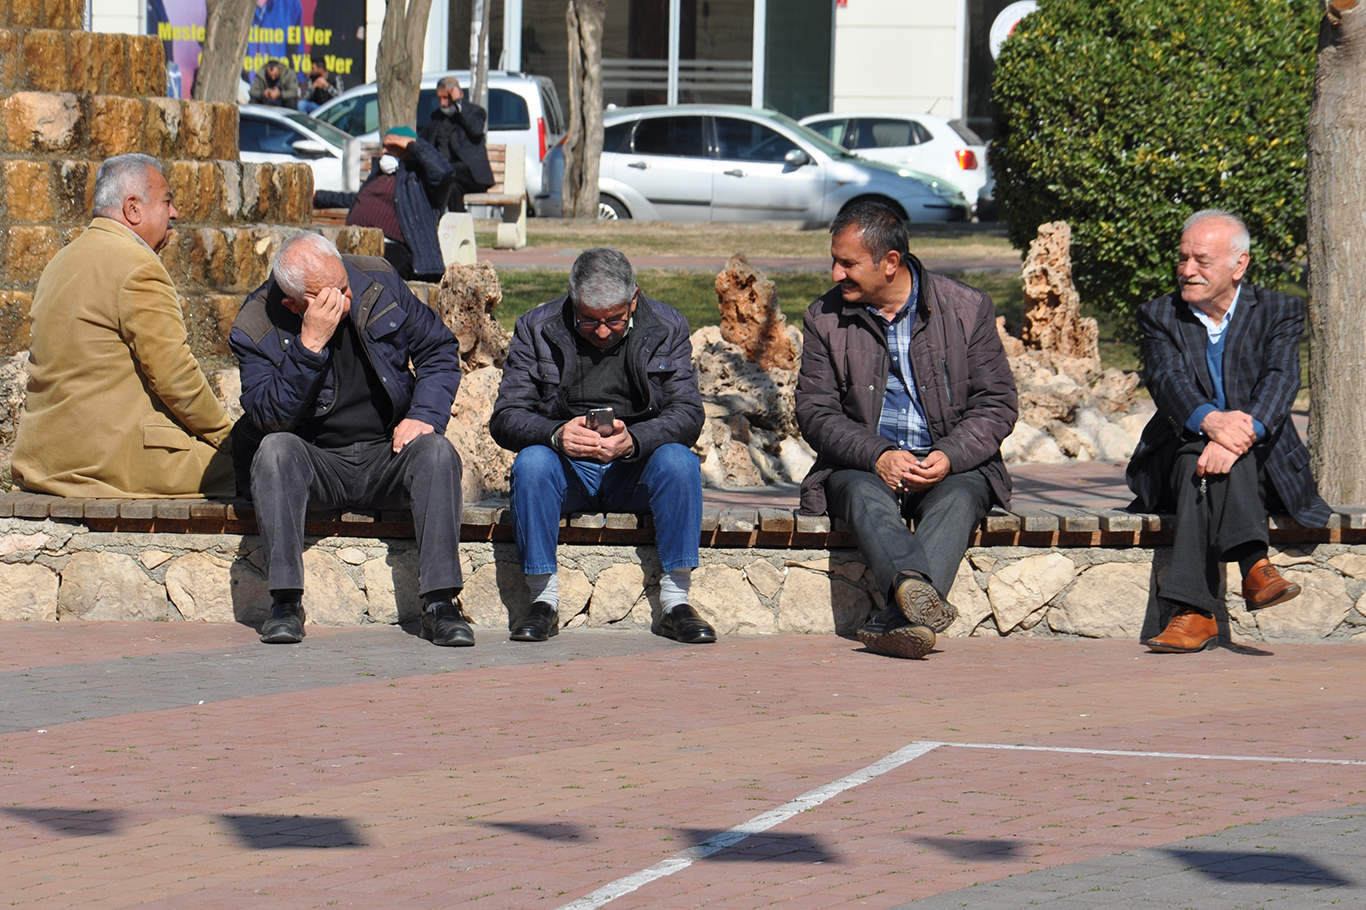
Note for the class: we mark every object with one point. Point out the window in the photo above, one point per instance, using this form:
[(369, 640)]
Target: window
[(679, 136), (507, 111), (830, 129), (267, 137), (615, 137), (886, 134), (745, 140), (357, 116)]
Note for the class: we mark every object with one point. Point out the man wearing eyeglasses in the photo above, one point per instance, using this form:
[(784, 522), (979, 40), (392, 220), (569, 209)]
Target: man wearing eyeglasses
[(604, 347)]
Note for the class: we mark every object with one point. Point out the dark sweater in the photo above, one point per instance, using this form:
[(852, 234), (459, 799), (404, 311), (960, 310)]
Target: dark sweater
[(362, 409)]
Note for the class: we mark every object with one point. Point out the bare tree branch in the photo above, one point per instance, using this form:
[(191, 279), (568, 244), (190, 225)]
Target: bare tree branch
[(226, 28)]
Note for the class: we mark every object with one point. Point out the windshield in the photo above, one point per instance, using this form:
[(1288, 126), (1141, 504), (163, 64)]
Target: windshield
[(326, 131), (811, 136)]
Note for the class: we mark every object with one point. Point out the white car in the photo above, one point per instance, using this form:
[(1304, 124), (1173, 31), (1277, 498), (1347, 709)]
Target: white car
[(695, 162), (274, 135), (522, 108), (922, 142)]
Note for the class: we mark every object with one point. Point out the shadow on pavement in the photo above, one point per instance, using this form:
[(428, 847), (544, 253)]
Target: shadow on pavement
[(70, 822), (990, 849), (542, 830), (1268, 868), (766, 847), (279, 832)]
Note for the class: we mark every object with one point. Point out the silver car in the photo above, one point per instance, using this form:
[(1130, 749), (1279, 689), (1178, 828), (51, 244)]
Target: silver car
[(723, 163), (278, 135)]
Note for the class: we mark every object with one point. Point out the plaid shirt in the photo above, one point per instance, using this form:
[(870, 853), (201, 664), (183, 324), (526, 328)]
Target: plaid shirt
[(902, 421)]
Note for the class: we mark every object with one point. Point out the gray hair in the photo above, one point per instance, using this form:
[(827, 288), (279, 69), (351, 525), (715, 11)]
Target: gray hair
[(1241, 241), (120, 177), (601, 278), (447, 82), (299, 256)]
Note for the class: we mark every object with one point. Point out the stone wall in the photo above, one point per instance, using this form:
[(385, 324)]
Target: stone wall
[(54, 570), (71, 98)]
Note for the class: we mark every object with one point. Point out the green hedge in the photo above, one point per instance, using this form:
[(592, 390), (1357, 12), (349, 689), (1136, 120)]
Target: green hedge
[(1122, 117)]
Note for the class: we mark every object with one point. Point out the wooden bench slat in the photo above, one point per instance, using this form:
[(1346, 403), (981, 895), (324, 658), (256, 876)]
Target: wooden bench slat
[(1037, 520)]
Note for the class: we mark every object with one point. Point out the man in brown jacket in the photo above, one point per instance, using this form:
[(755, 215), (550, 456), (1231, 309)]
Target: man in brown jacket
[(906, 395), (117, 406)]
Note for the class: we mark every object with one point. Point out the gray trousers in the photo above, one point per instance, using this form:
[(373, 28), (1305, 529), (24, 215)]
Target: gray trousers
[(945, 516), (1227, 511), (290, 475)]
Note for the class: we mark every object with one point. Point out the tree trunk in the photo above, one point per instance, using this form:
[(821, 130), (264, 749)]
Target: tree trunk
[(226, 27), (479, 53), (398, 61), (1337, 267), (583, 143)]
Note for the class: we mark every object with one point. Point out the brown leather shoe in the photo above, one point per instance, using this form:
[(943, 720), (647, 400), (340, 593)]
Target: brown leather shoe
[(1190, 630), (1264, 587)]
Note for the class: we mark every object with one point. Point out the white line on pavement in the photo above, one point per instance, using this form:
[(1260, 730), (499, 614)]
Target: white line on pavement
[(1123, 752), (685, 858)]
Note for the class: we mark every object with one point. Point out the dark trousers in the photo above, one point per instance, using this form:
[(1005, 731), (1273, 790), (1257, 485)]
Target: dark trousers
[(1226, 512), (290, 475), (944, 515)]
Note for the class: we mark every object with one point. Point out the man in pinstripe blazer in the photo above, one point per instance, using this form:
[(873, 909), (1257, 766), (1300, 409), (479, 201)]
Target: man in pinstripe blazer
[(1223, 366)]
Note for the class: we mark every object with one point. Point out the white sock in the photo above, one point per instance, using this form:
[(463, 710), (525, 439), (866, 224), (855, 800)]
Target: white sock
[(545, 589), (673, 588)]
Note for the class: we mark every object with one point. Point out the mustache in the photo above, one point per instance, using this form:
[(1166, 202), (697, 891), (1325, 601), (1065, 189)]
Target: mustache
[(1183, 280)]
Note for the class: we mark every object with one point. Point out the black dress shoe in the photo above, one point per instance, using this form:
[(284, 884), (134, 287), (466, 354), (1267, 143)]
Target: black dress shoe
[(443, 625), (683, 624), (285, 626), (540, 623)]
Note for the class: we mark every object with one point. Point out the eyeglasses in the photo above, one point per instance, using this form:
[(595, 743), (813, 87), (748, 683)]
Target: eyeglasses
[(614, 324)]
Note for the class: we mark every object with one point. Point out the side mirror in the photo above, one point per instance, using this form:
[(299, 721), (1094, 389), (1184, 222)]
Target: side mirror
[(797, 158), (311, 148)]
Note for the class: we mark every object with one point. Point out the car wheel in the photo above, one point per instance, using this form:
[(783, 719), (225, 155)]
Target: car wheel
[(610, 209)]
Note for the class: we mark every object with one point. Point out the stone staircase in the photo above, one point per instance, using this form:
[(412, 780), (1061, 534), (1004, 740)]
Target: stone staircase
[(71, 98)]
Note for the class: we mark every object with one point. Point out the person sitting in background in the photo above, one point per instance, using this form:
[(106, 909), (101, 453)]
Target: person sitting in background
[(457, 130), (320, 86), (402, 197), (276, 85)]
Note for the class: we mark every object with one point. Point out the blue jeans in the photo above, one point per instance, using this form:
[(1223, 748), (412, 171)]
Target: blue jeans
[(546, 484)]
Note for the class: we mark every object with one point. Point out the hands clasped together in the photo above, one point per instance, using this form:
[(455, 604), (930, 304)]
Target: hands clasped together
[(1231, 435), (903, 472)]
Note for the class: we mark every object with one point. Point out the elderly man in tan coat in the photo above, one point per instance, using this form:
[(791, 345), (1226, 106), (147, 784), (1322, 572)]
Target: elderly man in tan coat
[(117, 406)]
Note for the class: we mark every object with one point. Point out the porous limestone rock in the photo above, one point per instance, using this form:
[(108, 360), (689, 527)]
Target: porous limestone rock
[(796, 457), (1107, 601), (331, 598), (352, 556), (1319, 610), (13, 390), (969, 600), (485, 465), (1052, 319), (721, 597), (227, 387), (814, 603), (575, 592), (617, 590), (1021, 589), (466, 300), (109, 586), (207, 589), (1030, 444), (494, 593), (750, 316), (1284, 559), (726, 377), (27, 591), (766, 578)]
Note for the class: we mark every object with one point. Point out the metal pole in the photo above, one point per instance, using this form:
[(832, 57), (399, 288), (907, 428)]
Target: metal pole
[(756, 97), (512, 36), (960, 75), (673, 51)]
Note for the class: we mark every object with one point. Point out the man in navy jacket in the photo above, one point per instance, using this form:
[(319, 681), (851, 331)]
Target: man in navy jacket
[(340, 420), (1222, 358), (604, 345)]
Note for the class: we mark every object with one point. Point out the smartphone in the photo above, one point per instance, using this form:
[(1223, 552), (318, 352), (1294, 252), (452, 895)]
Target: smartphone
[(601, 419)]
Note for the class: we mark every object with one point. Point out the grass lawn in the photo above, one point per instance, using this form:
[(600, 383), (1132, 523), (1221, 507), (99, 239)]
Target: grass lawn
[(694, 295)]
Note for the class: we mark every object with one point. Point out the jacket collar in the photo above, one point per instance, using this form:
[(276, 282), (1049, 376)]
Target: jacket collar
[(923, 301)]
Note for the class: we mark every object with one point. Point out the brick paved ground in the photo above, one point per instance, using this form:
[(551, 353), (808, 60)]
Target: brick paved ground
[(366, 768)]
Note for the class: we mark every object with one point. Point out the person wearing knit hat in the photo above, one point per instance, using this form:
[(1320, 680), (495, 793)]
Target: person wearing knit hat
[(403, 197)]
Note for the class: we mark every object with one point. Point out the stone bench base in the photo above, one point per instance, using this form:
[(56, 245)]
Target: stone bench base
[(55, 568)]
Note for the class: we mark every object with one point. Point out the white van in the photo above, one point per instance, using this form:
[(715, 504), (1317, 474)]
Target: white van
[(522, 108)]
